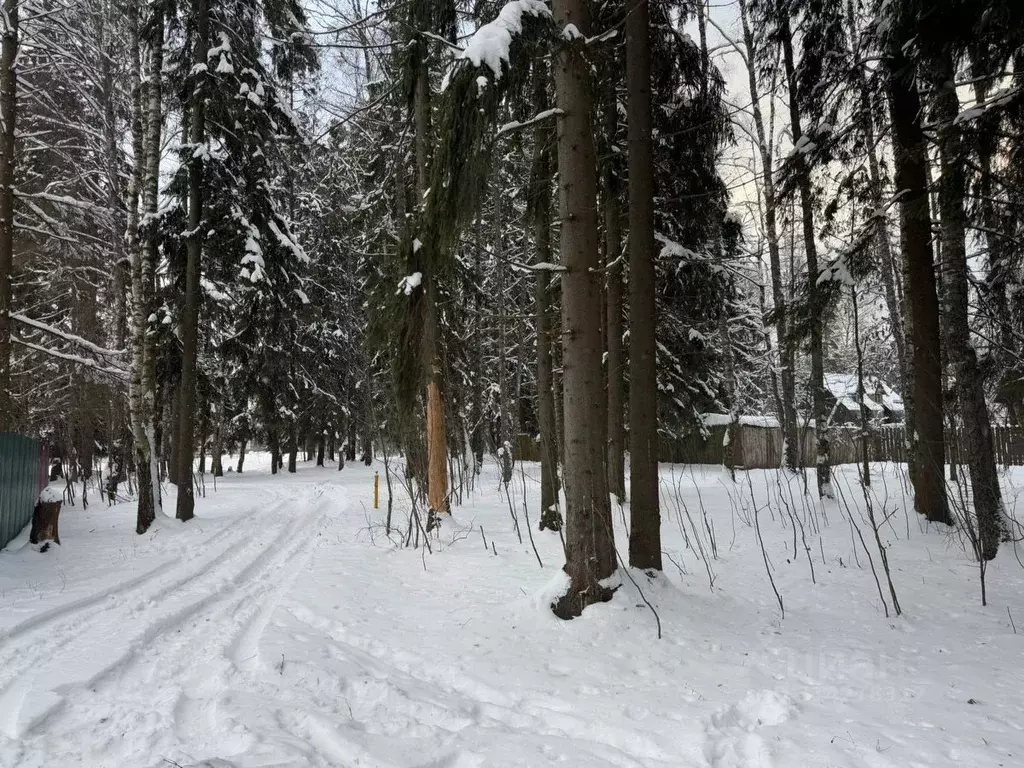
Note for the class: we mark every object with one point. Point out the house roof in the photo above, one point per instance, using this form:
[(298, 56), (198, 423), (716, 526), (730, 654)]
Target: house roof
[(843, 387)]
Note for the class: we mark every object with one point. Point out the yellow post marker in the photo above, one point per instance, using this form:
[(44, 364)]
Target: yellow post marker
[(376, 490)]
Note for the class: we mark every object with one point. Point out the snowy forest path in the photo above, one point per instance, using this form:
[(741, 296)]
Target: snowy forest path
[(128, 656)]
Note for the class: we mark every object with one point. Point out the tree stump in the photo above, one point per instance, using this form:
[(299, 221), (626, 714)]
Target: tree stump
[(44, 523)]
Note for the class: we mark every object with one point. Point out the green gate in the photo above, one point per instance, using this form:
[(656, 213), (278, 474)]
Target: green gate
[(22, 477)]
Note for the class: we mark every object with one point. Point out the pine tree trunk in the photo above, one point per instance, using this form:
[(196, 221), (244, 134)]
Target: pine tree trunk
[(437, 433), (477, 407), (501, 273), (540, 209), (321, 447), (589, 539), (998, 258), (787, 356), (275, 449), (367, 446), (915, 236), (645, 509), (241, 455), (193, 267), (557, 383), (865, 422), (969, 387), (819, 397), (613, 325), (173, 435), (350, 444), (149, 258), (217, 446), (8, 114), (293, 449), (729, 458)]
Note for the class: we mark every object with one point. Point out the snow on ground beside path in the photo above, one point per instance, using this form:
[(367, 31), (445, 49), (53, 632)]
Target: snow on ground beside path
[(281, 628)]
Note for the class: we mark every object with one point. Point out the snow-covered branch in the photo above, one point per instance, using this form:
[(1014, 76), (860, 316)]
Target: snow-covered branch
[(69, 337), (540, 117)]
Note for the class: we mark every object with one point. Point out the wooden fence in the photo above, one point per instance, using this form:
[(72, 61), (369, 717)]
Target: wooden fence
[(758, 447), (23, 474)]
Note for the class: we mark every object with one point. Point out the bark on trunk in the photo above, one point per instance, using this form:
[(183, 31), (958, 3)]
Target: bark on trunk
[(217, 445), (969, 387), (437, 432), (504, 414), (613, 324), (8, 116), (589, 540), (540, 208), (645, 509), (915, 241), (193, 267), (293, 449), (819, 397), (476, 438)]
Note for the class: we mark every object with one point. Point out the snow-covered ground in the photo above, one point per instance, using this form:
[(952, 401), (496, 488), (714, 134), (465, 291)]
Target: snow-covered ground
[(282, 628)]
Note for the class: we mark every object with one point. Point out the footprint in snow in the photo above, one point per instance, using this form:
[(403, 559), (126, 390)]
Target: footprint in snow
[(733, 735)]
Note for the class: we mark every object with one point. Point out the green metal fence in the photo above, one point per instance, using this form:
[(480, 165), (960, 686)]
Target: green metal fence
[(22, 476)]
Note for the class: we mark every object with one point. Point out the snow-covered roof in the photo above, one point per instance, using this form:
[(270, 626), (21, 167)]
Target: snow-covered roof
[(843, 387), (746, 420)]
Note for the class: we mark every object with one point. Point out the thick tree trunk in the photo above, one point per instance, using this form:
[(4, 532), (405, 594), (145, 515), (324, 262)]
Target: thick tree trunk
[(437, 432), (787, 356), (193, 267), (146, 257), (321, 447), (589, 539), (8, 116), (819, 397), (915, 239), (645, 509), (241, 455), (613, 324), (970, 391)]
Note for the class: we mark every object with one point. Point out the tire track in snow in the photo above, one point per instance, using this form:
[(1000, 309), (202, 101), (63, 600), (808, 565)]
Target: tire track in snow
[(36, 648), (112, 593), (184, 655)]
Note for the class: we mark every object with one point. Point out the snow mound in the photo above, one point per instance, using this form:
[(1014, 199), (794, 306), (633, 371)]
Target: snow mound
[(756, 709), (51, 494), (551, 592)]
